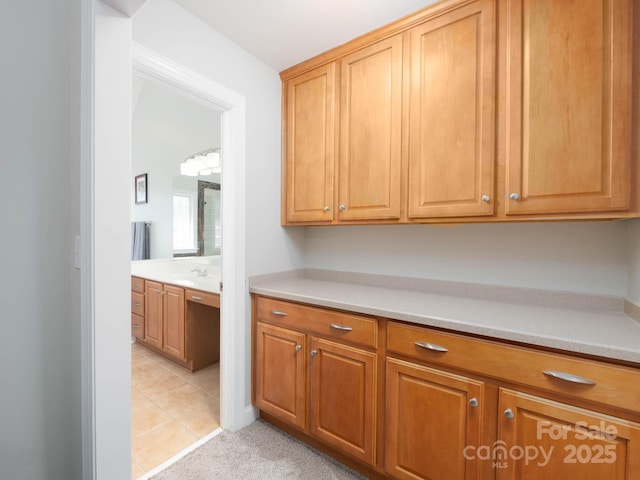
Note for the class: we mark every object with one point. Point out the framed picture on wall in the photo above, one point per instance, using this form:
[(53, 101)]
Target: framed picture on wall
[(141, 188)]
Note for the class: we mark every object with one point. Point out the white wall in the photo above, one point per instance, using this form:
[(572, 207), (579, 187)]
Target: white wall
[(166, 129), (633, 252), (40, 433), (572, 256)]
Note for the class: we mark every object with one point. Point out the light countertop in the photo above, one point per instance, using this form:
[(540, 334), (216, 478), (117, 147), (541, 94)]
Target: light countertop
[(180, 272), (582, 323)]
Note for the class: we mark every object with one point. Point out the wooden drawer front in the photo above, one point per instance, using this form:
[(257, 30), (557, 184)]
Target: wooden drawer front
[(328, 323), (612, 384), (198, 296), (137, 303), (137, 326), (137, 284)]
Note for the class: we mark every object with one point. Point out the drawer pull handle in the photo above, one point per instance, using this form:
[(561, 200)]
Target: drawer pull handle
[(196, 297), (136, 304), (298, 348), (136, 325), (431, 346), (337, 326), (279, 312), (509, 413), (568, 377), (474, 402)]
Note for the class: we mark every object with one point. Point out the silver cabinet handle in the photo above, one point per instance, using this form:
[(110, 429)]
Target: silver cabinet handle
[(136, 325), (473, 402), (279, 312), (196, 297), (337, 326), (514, 196), (568, 377), (326, 208), (342, 206), (314, 353), (485, 198), (509, 413), (298, 348), (431, 346), (136, 304)]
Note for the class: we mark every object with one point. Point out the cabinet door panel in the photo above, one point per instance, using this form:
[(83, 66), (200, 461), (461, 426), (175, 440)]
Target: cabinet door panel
[(370, 126), (310, 113), (451, 130), (562, 441), (569, 110), (174, 337), (153, 314), (343, 386), (281, 373), (430, 422)]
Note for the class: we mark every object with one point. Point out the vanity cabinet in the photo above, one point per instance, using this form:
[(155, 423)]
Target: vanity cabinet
[(319, 376), (468, 110), (165, 318), (137, 307)]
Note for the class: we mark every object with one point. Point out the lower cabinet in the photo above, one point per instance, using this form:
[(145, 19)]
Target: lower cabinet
[(431, 417), (323, 385), (165, 320), (540, 438), (411, 402)]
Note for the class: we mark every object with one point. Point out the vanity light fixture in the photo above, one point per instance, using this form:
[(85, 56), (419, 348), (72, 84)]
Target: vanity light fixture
[(201, 163)]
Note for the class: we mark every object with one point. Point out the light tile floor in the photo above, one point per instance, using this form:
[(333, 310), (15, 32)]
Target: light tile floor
[(171, 407)]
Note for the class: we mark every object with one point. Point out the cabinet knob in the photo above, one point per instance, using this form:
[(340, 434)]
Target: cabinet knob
[(326, 208), (473, 402), (342, 206), (485, 198), (514, 196), (298, 348), (509, 413), (314, 353)]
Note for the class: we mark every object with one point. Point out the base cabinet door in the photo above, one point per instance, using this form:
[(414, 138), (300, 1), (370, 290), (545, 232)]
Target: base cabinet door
[(434, 422), (173, 325), (154, 312), (540, 438), (343, 386), (280, 376)]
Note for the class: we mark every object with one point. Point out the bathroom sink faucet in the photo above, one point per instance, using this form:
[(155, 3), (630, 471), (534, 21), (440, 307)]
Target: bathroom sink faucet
[(202, 272)]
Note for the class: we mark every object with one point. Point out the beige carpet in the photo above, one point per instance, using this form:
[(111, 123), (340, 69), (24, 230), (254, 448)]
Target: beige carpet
[(258, 452)]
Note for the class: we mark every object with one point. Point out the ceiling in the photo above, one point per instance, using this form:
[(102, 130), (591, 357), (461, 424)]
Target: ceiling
[(283, 33)]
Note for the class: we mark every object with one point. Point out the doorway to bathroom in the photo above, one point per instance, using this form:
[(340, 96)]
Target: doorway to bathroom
[(171, 406)]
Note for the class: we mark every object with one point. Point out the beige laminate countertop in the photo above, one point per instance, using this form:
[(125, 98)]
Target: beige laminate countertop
[(581, 323)]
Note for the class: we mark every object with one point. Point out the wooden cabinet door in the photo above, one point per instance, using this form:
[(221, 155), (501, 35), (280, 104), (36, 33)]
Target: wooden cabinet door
[(539, 438), (370, 132), (431, 417), (280, 373), (343, 392), (173, 327), (154, 308), (309, 159), (568, 112), (452, 105)]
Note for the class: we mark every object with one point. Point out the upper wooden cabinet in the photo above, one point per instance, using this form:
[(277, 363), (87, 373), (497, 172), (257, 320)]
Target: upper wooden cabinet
[(568, 114), (469, 110), (309, 132), (370, 132), (451, 123)]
